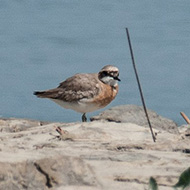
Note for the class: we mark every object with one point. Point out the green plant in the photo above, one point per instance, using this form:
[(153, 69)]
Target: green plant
[(183, 182), (184, 179), (153, 184)]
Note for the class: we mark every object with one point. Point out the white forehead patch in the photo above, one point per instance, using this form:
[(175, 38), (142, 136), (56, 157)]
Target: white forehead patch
[(110, 68)]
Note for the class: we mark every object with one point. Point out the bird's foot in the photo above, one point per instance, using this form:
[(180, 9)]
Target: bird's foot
[(84, 119)]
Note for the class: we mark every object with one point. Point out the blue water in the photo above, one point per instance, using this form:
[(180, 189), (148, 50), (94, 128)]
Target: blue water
[(43, 42)]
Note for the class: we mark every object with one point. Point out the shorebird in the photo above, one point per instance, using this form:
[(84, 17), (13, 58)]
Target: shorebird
[(85, 92)]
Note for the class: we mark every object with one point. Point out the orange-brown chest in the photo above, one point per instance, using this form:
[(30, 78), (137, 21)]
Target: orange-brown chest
[(106, 95)]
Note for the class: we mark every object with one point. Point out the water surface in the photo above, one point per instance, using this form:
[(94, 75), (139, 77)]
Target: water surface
[(44, 42)]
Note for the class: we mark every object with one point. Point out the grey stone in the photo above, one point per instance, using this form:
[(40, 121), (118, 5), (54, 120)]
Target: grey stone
[(100, 155), (46, 173), (135, 114), (14, 125)]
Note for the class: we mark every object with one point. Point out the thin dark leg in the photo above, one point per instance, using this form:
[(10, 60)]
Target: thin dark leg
[(84, 119)]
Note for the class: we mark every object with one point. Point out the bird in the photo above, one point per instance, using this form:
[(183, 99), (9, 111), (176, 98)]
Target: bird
[(85, 92)]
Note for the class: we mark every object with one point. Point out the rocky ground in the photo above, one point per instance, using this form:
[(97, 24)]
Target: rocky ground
[(102, 154)]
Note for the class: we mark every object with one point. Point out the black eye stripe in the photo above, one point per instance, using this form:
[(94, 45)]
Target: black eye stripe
[(111, 73), (105, 73)]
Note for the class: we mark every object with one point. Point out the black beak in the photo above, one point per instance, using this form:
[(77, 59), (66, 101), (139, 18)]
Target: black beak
[(116, 78)]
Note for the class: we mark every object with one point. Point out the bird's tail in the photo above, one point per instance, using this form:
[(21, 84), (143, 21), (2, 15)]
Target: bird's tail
[(40, 94), (52, 93)]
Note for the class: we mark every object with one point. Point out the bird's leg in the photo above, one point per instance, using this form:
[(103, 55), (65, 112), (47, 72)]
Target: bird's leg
[(84, 119)]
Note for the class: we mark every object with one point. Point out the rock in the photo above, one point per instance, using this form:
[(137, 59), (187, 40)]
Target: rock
[(46, 173), (185, 130), (15, 125), (135, 114), (100, 155)]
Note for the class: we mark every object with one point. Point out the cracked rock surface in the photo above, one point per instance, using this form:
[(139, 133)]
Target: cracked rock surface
[(97, 155)]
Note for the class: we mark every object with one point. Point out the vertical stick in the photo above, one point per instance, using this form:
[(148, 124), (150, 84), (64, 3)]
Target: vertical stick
[(139, 85)]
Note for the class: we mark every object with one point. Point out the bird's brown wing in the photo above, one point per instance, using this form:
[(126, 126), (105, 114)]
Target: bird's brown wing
[(74, 88)]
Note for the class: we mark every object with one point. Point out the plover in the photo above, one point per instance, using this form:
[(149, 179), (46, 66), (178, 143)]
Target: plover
[(85, 92)]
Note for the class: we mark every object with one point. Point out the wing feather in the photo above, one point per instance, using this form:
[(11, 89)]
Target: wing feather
[(75, 88)]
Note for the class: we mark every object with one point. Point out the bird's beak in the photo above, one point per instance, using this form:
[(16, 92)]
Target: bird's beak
[(116, 78)]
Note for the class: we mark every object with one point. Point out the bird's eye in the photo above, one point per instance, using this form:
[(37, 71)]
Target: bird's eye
[(104, 73)]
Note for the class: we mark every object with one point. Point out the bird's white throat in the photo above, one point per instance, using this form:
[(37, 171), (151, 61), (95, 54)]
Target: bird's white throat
[(109, 80)]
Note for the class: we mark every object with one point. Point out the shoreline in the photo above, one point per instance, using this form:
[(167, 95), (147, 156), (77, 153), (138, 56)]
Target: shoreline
[(92, 156)]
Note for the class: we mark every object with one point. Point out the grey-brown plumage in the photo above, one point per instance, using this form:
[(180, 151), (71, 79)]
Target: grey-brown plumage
[(74, 88)]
